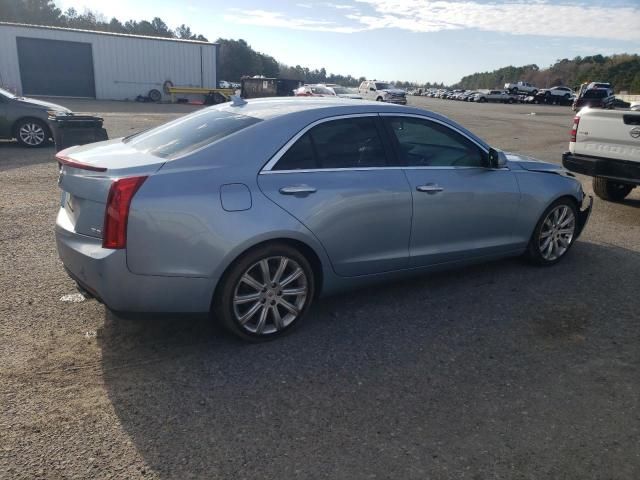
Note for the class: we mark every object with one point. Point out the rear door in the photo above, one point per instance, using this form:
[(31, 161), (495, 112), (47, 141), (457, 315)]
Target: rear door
[(461, 208), (334, 178)]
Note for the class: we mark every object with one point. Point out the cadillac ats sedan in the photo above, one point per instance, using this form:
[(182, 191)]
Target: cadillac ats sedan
[(250, 210)]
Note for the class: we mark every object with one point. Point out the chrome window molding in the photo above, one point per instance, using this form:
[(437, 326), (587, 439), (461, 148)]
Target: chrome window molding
[(268, 167)]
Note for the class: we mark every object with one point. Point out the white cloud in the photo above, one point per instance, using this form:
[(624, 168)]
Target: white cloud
[(532, 17), (264, 18), (521, 18)]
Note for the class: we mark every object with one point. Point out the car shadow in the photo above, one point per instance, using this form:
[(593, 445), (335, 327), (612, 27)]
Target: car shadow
[(409, 380), (13, 155)]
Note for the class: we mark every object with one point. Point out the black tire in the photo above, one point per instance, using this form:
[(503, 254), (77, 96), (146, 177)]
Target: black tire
[(534, 92), (223, 303), (533, 253), (510, 101), (610, 190), (32, 133), (155, 95), (482, 100)]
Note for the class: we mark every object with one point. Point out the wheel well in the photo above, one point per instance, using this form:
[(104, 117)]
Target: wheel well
[(14, 128), (303, 248)]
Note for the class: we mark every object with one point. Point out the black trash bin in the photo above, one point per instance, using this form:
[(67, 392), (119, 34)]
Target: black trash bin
[(70, 130)]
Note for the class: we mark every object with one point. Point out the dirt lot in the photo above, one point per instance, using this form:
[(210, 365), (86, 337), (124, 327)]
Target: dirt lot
[(502, 371)]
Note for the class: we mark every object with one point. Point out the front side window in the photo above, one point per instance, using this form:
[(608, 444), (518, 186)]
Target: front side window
[(344, 143), (189, 133), (383, 86), (422, 143)]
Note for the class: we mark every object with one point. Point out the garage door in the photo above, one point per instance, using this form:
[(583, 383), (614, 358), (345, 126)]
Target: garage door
[(57, 68)]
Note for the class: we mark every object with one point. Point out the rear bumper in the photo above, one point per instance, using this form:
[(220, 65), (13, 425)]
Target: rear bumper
[(105, 275), (620, 170), (398, 101)]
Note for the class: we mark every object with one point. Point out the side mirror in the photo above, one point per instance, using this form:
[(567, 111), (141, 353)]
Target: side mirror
[(497, 158)]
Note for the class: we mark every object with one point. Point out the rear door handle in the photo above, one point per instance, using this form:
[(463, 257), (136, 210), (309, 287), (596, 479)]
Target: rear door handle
[(430, 188), (297, 190)]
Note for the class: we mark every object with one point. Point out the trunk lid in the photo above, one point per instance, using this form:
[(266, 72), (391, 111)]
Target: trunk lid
[(85, 177)]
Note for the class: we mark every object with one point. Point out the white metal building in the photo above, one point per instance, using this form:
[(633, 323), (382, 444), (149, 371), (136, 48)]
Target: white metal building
[(52, 61)]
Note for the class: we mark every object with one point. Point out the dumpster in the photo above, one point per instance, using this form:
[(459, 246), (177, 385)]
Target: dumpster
[(70, 130)]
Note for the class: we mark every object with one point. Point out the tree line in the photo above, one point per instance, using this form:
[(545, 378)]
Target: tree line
[(45, 12), (237, 58), (623, 71)]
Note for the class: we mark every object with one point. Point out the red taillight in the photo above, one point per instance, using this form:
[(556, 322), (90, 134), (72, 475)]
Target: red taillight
[(114, 234), (574, 129), (69, 162)]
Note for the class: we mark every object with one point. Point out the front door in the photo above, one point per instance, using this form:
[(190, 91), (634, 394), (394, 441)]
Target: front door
[(461, 208), (334, 181)]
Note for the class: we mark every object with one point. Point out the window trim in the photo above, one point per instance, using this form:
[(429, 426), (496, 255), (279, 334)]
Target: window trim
[(267, 169)]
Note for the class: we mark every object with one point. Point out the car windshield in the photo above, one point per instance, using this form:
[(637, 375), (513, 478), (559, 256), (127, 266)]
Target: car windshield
[(383, 86), (189, 133), (6, 93), (595, 93)]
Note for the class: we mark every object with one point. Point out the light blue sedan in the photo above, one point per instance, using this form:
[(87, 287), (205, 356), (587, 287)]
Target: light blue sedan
[(251, 210)]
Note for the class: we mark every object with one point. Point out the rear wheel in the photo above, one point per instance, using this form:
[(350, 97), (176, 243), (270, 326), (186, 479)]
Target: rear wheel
[(609, 190), (554, 234), (31, 132), (265, 293)]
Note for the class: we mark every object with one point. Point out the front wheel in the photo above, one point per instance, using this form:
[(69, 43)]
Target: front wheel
[(265, 293), (31, 133), (379, 99), (554, 234), (609, 190)]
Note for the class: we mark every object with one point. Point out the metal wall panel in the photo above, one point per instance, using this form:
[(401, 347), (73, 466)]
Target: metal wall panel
[(124, 67)]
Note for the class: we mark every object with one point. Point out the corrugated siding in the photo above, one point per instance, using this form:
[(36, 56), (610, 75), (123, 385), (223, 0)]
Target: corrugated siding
[(124, 67)]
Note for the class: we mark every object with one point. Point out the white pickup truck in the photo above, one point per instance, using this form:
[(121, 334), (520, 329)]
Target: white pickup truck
[(521, 87), (605, 144)]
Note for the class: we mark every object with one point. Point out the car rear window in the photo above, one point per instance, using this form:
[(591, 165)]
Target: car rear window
[(189, 133), (595, 94)]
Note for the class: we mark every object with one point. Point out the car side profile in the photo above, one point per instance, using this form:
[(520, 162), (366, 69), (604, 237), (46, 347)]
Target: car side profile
[(252, 209), (382, 92), (25, 119)]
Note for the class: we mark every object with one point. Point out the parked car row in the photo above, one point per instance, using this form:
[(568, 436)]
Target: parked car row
[(368, 90)]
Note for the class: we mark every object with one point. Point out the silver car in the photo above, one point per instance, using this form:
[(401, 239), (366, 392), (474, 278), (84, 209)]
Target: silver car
[(251, 210)]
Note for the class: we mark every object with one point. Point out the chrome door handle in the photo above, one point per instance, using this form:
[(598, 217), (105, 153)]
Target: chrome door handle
[(429, 188), (297, 190)]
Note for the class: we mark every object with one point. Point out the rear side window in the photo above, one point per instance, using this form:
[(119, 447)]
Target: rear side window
[(189, 133), (595, 94), (345, 143)]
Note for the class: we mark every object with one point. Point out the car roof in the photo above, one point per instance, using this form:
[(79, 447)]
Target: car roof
[(267, 108), (299, 111)]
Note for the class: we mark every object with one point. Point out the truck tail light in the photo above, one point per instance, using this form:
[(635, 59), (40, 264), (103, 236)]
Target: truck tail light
[(116, 214), (574, 129)]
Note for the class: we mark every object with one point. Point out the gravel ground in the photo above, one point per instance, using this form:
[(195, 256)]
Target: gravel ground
[(500, 371)]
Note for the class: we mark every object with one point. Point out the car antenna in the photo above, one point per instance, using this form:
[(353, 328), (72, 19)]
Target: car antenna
[(237, 101)]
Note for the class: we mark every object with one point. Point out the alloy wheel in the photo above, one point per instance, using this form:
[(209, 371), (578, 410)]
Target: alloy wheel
[(31, 134), (557, 233), (270, 295)]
